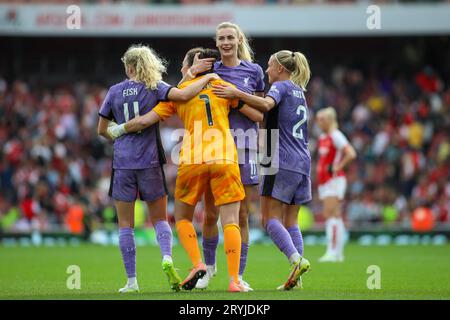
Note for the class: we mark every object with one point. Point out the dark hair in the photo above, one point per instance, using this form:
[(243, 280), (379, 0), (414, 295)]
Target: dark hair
[(204, 53)]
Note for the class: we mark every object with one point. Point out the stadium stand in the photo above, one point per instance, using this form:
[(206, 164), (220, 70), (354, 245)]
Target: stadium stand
[(55, 171)]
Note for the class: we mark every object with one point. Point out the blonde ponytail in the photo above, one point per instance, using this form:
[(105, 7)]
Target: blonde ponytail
[(245, 52), (149, 67), (297, 65)]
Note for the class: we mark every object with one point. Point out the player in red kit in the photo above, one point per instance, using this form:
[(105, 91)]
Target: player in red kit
[(335, 153)]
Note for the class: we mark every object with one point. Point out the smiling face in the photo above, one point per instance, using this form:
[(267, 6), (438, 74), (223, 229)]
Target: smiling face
[(227, 41), (274, 69)]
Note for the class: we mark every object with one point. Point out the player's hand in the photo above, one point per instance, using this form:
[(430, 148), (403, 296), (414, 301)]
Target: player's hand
[(224, 91), (115, 131), (201, 65), (213, 76), (336, 168), (111, 125)]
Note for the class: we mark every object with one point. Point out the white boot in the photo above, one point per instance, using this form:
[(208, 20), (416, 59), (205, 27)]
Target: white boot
[(202, 283), (131, 286), (245, 284)]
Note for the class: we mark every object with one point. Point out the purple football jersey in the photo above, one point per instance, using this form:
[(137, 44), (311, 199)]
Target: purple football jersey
[(290, 117), (247, 77), (123, 102)]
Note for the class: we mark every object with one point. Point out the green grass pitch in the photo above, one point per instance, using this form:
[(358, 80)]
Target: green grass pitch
[(407, 272)]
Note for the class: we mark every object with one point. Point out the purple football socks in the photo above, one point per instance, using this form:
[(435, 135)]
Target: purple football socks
[(280, 236), (297, 238), (243, 262), (164, 237), (209, 250), (128, 250)]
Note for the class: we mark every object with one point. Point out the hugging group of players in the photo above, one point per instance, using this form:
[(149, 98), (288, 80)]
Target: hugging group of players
[(221, 89)]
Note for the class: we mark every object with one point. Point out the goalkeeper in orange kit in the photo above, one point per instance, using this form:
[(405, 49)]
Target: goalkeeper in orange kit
[(208, 159)]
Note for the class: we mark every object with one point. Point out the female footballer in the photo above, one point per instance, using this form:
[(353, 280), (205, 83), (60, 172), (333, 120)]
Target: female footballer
[(286, 180), (335, 153), (138, 158), (236, 67)]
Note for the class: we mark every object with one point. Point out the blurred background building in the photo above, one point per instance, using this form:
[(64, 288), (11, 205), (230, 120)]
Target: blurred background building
[(389, 85)]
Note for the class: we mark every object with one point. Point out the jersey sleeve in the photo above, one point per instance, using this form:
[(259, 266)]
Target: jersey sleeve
[(339, 139), (165, 109), (163, 90), (260, 85), (276, 92), (106, 107)]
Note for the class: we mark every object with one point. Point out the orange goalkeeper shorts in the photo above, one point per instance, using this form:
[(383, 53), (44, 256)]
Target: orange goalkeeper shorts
[(224, 179)]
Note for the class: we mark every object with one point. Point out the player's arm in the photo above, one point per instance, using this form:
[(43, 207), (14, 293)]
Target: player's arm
[(348, 155), (251, 113), (348, 152), (199, 66), (142, 122), (261, 122), (262, 104), (161, 111), (187, 93), (105, 122), (134, 125), (102, 127)]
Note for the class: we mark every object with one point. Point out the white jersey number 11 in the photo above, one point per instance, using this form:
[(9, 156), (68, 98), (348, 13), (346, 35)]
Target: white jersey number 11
[(126, 111)]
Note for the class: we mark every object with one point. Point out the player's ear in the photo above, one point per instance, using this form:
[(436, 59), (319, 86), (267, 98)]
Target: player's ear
[(279, 68)]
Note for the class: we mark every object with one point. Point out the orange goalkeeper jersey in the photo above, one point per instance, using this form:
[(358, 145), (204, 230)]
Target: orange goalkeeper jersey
[(205, 117)]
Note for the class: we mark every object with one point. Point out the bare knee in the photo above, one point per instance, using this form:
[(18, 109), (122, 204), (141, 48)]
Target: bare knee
[(331, 208), (125, 213), (211, 218), (243, 223), (243, 216), (229, 213), (290, 221), (266, 220), (157, 210)]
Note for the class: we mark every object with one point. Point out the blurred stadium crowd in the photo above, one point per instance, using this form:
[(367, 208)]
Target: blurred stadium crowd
[(55, 171)]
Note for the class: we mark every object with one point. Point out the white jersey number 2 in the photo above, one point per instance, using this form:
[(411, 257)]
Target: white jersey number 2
[(296, 132)]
